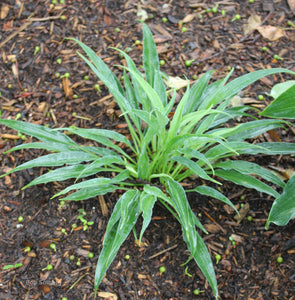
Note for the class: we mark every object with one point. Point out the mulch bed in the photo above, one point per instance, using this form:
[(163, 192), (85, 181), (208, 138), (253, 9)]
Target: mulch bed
[(31, 42)]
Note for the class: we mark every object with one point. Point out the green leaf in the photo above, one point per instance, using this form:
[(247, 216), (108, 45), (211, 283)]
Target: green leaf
[(40, 132), (150, 55), (196, 93), (236, 85), (194, 167), (246, 181), (281, 88), (193, 240), (143, 165), (283, 208), (125, 214), (51, 146), (211, 192), (246, 167), (56, 159), (86, 193), (146, 204), (283, 106)]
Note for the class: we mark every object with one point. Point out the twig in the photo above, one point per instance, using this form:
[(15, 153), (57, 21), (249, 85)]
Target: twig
[(24, 26), (163, 251)]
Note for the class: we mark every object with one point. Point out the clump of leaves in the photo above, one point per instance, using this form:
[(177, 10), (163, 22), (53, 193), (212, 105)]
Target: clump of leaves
[(163, 151)]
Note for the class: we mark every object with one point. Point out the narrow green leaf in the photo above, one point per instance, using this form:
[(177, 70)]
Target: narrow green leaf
[(51, 146), (86, 193), (56, 159), (283, 106), (246, 167), (283, 208), (40, 132), (146, 204), (246, 181), (211, 192), (125, 213), (193, 240), (194, 167), (150, 55), (196, 93), (143, 165)]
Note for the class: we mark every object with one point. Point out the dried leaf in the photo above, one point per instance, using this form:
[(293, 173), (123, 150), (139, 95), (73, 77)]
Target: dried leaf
[(176, 82), (291, 4), (243, 212), (108, 296), (188, 18), (66, 86), (212, 228), (4, 11), (254, 22), (271, 33)]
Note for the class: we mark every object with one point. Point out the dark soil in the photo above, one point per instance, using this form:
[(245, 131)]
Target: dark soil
[(31, 91)]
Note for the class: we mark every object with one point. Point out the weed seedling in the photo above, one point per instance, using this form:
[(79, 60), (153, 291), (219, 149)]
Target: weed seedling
[(48, 268), (59, 61), (78, 263), (188, 63), (162, 270), (277, 57), (37, 49), (187, 273), (218, 258), (66, 75), (236, 17), (260, 97), (290, 23), (90, 255), (280, 259), (162, 62), (127, 257), (53, 247), (197, 292), (97, 87), (27, 249), (20, 219), (164, 20)]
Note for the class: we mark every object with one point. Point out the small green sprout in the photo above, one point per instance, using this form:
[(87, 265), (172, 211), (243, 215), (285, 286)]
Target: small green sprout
[(37, 49), (59, 61), (56, 75), (187, 273), (63, 17), (78, 263), (208, 10), (183, 29), (54, 2), (20, 219), (18, 116), (260, 97), (162, 62), (61, 1), (250, 218), (164, 20), (64, 298), (218, 258), (232, 240), (215, 9), (127, 257), (188, 63), (63, 231), (48, 268), (27, 249), (197, 292), (223, 12), (74, 226), (277, 57), (53, 247), (90, 255), (137, 42), (72, 257), (117, 29), (264, 49), (86, 77), (66, 75), (162, 270), (280, 259), (9, 85), (251, 1), (97, 87), (236, 17), (290, 23)]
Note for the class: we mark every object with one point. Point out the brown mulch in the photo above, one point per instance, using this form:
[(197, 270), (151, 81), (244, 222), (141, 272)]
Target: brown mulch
[(32, 91)]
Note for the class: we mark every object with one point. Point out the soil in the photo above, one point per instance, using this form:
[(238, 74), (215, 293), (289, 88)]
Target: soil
[(31, 42)]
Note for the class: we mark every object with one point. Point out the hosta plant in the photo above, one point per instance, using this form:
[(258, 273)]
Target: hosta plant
[(168, 143)]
